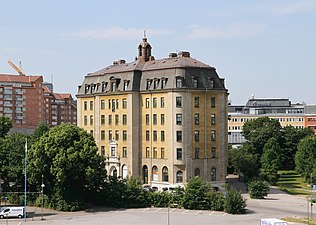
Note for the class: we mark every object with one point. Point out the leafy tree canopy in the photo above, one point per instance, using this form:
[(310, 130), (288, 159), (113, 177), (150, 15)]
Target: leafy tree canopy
[(5, 125), (67, 158)]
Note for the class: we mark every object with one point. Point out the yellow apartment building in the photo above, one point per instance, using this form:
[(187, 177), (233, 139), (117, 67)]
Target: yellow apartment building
[(162, 120)]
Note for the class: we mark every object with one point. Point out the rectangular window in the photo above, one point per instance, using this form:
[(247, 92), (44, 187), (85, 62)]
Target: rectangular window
[(147, 119), (116, 119), (195, 82), (124, 152), (117, 135), (125, 85), (147, 135), (102, 135), (124, 103), (113, 105), (124, 135), (110, 135), (213, 119), (213, 152), (117, 103), (154, 102), (196, 153), (85, 105), (109, 105), (91, 120), (147, 102), (196, 118), (179, 119), (85, 120), (102, 150), (148, 83), (102, 119), (179, 153), (113, 151), (102, 104), (196, 135), (162, 153), (155, 153), (155, 135), (91, 105), (213, 102), (113, 86), (196, 102), (179, 82), (162, 102), (162, 119), (162, 135), (147, 152), (178, 102), (155, 119), (110, 119), (179, 136), (163, 83), (213, 135), (124, 118)]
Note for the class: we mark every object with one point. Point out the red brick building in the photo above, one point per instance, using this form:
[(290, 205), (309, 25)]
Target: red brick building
[(27, 102)]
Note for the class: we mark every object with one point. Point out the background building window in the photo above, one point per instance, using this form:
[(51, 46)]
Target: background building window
[(213, 102), (102, 104), (124, 135), (179, 176), (91, 120), (196, 102), (162, 153), (213, 174), (196, 135), (195, 82), (196, 118), (117, 136), (213, 135), (147, 135), (162, 102), (213, 152), (162, 119), (179, 102), (85, 105), (102, 150), (155, 153), (102, 135), (147, 152), (155, 173), (162, 135), (154, 119), (179, 153), (116, 119), (147, 119), (197, 172), (110, 135), (147, 102), (124, 153), (110, 119), (155, 135), (179, 136), (85, 120), (102, 119), (154, 102), (91, 105), (178, 119), (124, 103), (113, 152), (197, 153), (213, 119), (124, 118), (179, 82), (165, 176)]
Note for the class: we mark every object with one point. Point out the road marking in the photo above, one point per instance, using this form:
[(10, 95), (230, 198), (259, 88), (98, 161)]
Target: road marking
[(158, 210), (185, 211), (145, 209), (212, 213), (198, 212), (171, 210), (224, 214)]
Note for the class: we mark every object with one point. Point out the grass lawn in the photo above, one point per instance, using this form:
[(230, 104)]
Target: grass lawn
[(292, 183)]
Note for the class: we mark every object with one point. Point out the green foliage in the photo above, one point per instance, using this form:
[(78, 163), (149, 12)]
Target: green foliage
[(259, 131), (234, 202), (215, 201), (195, 194), (134, 196), (292, 137), (12, 155), (271, 160), (73, 171), (243, 161), (177, 197), (160, 199), (258, 189), (5, 125), (305, 158)]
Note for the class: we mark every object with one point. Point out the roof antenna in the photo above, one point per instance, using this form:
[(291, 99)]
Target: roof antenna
[(145, 33)]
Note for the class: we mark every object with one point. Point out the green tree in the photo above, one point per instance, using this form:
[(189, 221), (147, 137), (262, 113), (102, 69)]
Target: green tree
[(271, 160), (73, 171), (195, 194), (305, 158), (259, 131), (243, 161), (134, 195), (12, 155), (258, 189), (5, 125), (234, 202), (292, 137)]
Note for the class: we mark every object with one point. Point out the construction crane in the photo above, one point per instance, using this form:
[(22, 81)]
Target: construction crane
[(16, 68)]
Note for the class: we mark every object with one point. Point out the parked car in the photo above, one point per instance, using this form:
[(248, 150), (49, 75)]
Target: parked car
[(12, 211)]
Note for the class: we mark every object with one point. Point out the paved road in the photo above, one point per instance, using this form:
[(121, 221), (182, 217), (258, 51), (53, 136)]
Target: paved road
[(277, 204)]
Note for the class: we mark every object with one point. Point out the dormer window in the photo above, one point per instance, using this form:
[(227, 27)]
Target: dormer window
[(211, 82), (148, 84), (86, 90), (125, 87), (104, 85), (156, 83), (163, 82), (179, 82), (195, 82), (113, 86)]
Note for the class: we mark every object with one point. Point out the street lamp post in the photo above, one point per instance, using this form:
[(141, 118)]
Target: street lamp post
[(43, 185)]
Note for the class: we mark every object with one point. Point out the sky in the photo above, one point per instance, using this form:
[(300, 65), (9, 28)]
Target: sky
[(262, 48)]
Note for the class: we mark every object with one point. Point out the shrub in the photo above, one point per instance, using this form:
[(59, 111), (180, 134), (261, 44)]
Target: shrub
[(234, 202), (258, 189), (215, 201), (160, 199)]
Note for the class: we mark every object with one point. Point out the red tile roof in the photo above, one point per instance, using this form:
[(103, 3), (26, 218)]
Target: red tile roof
[(18, 78)]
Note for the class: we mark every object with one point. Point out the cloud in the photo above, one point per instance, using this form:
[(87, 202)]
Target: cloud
[(291, 7), (233, 31), (114, 33)]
